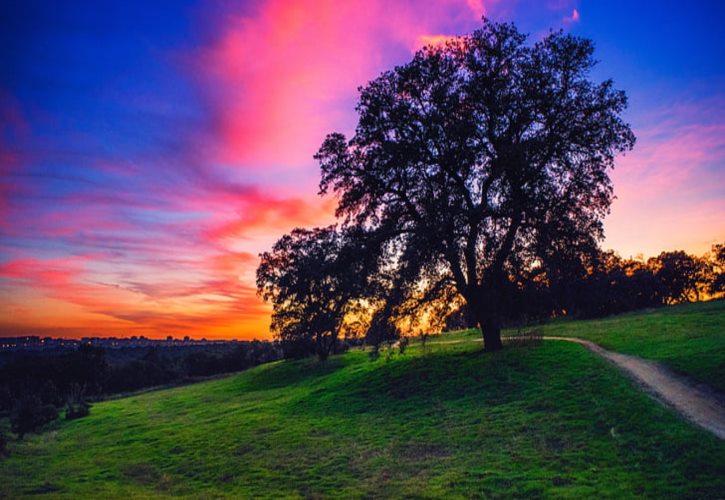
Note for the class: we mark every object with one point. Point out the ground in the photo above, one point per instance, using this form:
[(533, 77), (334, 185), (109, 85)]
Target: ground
[(546, 419)]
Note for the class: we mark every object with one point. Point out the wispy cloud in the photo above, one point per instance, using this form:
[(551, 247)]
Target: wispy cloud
[(286, 74), (671, 189), (573, 18)]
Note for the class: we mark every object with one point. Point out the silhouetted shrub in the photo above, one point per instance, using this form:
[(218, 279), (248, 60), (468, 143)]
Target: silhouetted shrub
[(201, 364), (297, 347), (6, 398), (30, 414), (77, 409), (76, 405), (3, 443)]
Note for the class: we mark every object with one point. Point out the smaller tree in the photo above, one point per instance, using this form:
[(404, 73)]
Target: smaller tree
[(681, 276), (315, 280)]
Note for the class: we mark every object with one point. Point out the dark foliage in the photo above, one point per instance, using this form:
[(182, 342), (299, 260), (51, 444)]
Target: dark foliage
[(51, 377), (201, 364), (33, 383), (76, 405), (314, 279), (606, 284), (613, 285), (77, 409), (153, 369), (29, 414), (680, 275), (717, 269), (460, 319)]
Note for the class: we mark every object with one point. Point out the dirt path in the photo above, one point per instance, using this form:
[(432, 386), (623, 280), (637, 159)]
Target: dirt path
[(695, 402)]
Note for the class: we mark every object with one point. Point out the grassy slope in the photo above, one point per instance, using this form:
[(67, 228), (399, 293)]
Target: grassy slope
[(551, 419), (689, 338)]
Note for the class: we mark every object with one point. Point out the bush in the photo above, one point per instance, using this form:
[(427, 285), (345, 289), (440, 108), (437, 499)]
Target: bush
[(3, 443), (29, 415), (76, 409), (297, 347), (76, 405)]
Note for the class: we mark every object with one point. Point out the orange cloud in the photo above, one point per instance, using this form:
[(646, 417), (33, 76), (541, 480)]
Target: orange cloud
[(255, 216), (434, 40), (53, 293)]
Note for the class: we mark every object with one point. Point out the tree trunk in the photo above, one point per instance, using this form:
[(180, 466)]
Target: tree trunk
[(487, 320), (491, 330), (320, 347)]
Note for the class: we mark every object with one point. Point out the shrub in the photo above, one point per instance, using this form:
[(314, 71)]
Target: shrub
[(76, 405), (29, 415), (3, 443), (76, 409)]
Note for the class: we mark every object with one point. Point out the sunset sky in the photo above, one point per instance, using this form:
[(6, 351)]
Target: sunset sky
[(150, 150)]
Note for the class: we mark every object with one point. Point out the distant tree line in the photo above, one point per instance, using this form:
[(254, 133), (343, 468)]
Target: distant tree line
[(36, 387), (602, 283)]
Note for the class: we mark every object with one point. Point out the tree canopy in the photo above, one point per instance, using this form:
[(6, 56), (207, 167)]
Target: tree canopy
[(477, 168), (315, 280), (478, 162)]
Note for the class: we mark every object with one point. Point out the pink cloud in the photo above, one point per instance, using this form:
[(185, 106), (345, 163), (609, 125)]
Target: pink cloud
[(61, 278), (477, 7), (274, 216), (573, 18), (670, 189), (280, 79)]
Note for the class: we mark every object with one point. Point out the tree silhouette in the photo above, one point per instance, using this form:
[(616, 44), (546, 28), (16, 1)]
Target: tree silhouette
[(474, 162), (717, 269), (314, 279), (681, 277)]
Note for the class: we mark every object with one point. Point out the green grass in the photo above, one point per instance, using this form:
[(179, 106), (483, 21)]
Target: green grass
[(539, 420), (689, 338)]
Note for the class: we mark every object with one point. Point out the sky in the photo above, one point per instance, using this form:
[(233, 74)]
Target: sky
[(149, 151)]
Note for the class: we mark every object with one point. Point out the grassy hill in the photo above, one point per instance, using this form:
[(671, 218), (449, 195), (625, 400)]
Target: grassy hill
[(689, 338), (547, 419)]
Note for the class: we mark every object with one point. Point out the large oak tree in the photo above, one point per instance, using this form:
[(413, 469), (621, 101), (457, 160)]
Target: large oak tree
[(477, 162)]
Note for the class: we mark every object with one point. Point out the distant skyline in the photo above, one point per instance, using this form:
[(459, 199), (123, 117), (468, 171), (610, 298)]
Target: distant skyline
[(150, 150)]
